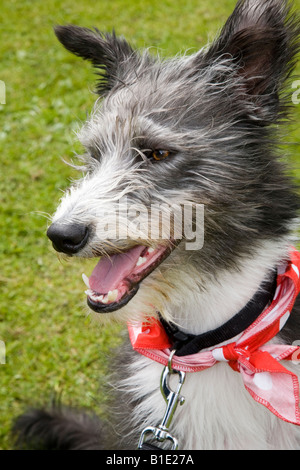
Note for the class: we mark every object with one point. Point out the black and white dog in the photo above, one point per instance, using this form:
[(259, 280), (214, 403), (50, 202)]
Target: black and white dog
[(199, 133)]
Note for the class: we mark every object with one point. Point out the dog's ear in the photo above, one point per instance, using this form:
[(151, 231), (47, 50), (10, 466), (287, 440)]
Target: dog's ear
[(261, 38), (108, 53)]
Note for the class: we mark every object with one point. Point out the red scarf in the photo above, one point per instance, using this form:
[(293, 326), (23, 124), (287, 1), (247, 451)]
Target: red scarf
[(265, 378)]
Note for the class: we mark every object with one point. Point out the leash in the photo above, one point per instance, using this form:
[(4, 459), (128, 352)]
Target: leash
[(161, 432)]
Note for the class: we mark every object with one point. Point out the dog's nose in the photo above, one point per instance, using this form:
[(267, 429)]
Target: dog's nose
[(68, 238)]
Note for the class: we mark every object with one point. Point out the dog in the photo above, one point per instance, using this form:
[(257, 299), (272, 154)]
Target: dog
[(212, 317)]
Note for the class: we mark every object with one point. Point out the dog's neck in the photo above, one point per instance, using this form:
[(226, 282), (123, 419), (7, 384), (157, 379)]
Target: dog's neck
[(227, 294)]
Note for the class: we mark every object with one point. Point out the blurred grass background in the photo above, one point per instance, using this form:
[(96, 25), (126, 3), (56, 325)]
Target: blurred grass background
[(52, 347)]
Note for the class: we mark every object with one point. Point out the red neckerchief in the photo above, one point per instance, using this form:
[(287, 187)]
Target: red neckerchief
[(265, 378)]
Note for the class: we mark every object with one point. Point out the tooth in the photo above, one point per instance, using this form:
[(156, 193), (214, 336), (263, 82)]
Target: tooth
[(150, 250), (104, 300), (112, 295), (141, 260), (86, 280)]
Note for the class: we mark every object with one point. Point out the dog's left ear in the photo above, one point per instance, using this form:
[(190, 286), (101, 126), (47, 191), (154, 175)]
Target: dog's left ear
[(261, 39), (108, 53)]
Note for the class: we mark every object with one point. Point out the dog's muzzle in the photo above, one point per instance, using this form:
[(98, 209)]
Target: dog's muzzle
[(116, 277), (68, 238)]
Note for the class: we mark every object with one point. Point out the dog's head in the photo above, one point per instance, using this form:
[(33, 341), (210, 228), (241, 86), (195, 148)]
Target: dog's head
[(171, 137)]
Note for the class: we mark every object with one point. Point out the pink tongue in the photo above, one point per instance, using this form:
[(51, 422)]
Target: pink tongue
[(109, 272)]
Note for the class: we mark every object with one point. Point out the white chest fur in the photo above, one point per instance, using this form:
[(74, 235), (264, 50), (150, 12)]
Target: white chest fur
[(218, 412)]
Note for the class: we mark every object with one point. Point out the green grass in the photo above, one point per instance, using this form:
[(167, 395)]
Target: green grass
[(51, 345)]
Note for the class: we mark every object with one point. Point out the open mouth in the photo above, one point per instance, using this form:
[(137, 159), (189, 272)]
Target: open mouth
[(116, 279)]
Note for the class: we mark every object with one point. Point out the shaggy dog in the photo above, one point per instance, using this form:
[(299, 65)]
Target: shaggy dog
[(208, 287)]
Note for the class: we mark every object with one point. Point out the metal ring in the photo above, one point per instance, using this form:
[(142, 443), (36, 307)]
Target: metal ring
[(170, 368)]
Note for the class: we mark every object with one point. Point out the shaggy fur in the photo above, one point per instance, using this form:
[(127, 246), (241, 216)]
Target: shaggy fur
[(217, 113)]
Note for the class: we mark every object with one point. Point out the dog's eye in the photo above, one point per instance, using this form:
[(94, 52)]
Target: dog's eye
[(158, 154)]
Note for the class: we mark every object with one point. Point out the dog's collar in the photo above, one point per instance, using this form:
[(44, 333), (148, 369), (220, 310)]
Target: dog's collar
[(251, 354), (186, 344)]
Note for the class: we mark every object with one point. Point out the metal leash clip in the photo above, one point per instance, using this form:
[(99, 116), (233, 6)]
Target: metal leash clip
[(161, 432)]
